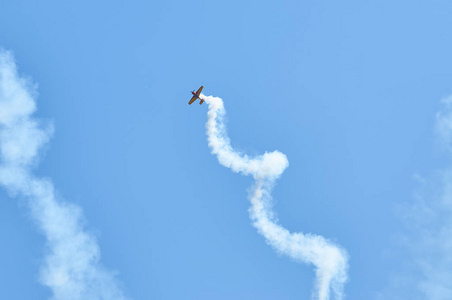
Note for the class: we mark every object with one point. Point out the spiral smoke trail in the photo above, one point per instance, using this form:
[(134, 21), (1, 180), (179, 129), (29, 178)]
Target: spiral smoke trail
[(330, 261), (71, 268)]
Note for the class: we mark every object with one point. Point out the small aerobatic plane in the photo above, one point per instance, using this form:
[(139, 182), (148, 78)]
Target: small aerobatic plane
[(196, 96)]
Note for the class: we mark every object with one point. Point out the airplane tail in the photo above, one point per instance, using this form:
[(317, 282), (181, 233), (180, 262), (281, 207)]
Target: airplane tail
[(201, 102)]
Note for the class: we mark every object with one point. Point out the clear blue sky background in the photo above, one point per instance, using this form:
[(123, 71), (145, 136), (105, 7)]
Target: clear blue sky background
[(348, 90)]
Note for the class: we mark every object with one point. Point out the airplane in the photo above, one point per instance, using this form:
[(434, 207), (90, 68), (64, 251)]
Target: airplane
[(196, 96)]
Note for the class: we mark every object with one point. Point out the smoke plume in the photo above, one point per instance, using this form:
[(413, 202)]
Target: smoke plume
[(71, 268), (330, 261)]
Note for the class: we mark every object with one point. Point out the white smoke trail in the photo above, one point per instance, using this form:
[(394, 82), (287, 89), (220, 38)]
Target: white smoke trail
[(330, 261), (71, 268)]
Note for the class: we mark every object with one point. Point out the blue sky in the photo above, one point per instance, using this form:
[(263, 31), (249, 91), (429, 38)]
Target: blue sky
[(348, 91)]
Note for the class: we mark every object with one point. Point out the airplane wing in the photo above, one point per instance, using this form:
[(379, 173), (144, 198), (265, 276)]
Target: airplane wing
[(198, 92), (192, 99)]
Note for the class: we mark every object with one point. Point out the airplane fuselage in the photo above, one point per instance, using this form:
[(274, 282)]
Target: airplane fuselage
[(196, 95)]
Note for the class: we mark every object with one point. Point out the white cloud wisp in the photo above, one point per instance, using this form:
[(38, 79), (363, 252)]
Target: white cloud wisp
[(431, 222), (71, 268), (425, 269), (330, 260)]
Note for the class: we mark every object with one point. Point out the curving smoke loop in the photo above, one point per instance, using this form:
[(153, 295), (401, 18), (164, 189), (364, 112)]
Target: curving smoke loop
[(330, 260)]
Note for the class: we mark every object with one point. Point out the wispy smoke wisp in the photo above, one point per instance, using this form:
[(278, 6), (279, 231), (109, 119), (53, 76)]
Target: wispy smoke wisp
[(431, 222), (330, 261), (425, 267), (71, 269)]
